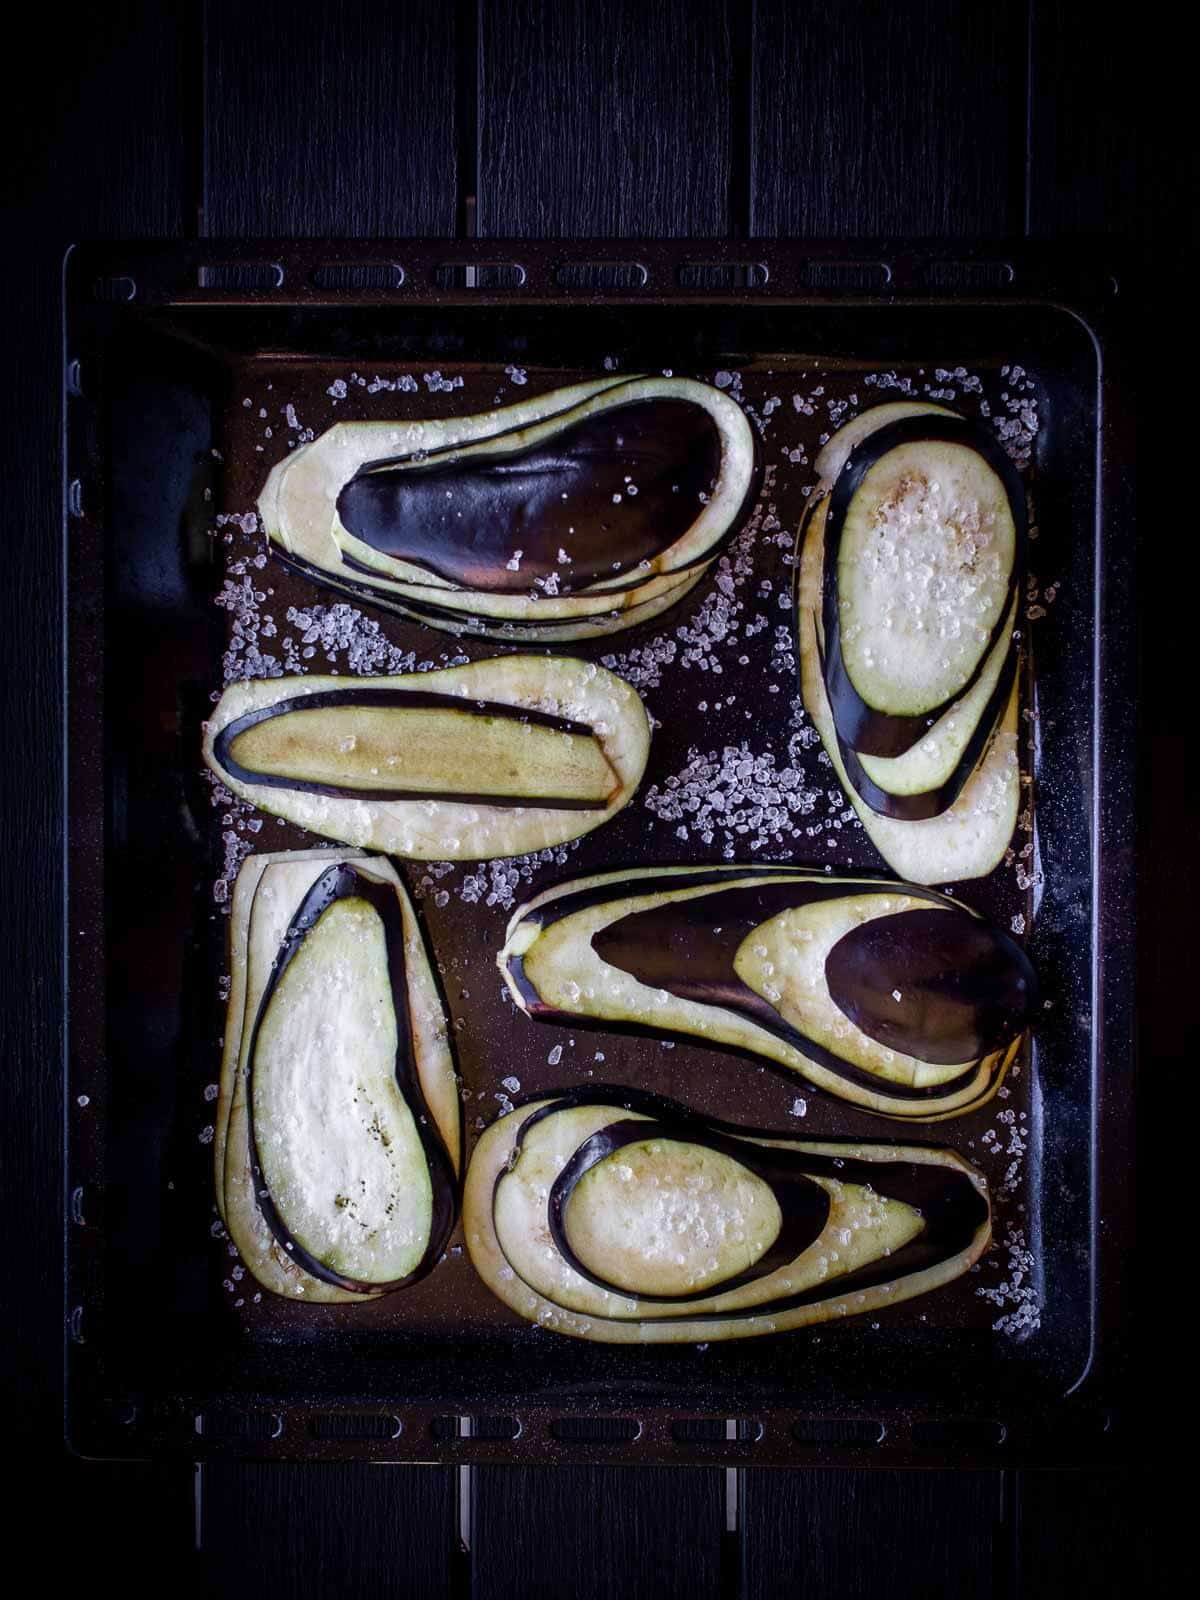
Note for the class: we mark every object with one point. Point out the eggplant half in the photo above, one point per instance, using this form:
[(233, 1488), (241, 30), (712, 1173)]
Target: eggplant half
[(495, 758), (629, 1219), (337, 1146), (887, 995), (573, 514), (908, 584)]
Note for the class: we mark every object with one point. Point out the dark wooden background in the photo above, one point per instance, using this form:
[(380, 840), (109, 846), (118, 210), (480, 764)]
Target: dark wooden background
[(530, 119)]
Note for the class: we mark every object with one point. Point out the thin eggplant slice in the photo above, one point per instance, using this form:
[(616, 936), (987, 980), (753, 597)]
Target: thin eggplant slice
[(490, 759), (835, 452), (583, 507), (941, 762), (886, 995), (338, 1138), (964, 839), (931, 774), (924, 542), (626, 1218), (667, 449), (391, 597), (411, 746)]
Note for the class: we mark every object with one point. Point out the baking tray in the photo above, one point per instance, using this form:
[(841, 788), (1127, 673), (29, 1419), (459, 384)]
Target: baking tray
[(189, 369)]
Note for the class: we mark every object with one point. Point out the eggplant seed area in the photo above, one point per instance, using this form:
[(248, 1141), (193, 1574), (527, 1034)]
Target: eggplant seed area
[(663, 1217), (338, 1146), (408, 745), (589, 503)]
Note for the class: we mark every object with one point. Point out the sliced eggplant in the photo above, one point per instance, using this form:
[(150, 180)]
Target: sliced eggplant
[(956, 830), (389, 597), (583, 507), (490, 759), (940, 763), (835, 452), (337, 1142), (924, 538), (627, 1218), (887, 995)]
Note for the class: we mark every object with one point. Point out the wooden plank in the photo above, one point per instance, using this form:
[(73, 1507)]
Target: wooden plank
[(1082, 172), (607, 1533), (94, 126), (332, 121), (855, 1535), (130, 1523), (297, 1532), (877, 119), (1075, 1534), (610, 120)]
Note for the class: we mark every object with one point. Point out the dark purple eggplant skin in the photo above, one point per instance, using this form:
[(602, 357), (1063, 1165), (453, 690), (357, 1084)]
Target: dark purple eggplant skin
[(860, 726), (965, 987), (804, 1204), (951, 1206), (342, 881), (670, 450), (408, 700), (932, 802), (688, 947)]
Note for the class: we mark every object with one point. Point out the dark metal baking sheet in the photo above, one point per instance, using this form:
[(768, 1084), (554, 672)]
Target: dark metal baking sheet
[(190, 370)]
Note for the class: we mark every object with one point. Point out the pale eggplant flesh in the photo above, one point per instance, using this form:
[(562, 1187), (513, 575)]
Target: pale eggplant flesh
[(623, 1217), (338, 1136), (572, 514), (887, 995), (494, 758)]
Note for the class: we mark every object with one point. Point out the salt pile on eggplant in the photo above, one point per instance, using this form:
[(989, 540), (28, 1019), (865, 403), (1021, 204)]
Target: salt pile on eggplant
[(494, 758), (887, 995), (910, 561), (573, 514), (628, 1219), (337, 1142)]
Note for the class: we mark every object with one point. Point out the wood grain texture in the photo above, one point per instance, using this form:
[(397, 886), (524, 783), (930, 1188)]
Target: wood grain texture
[(1082, 157), (308, 1532), (605, 120), (877, 119), (76, 165), (856, 1535), (131, 1522), (330, 120), (1076, 1535), (607, 1533)]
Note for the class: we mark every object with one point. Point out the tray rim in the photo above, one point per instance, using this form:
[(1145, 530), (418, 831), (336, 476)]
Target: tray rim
[(1077, 281)]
